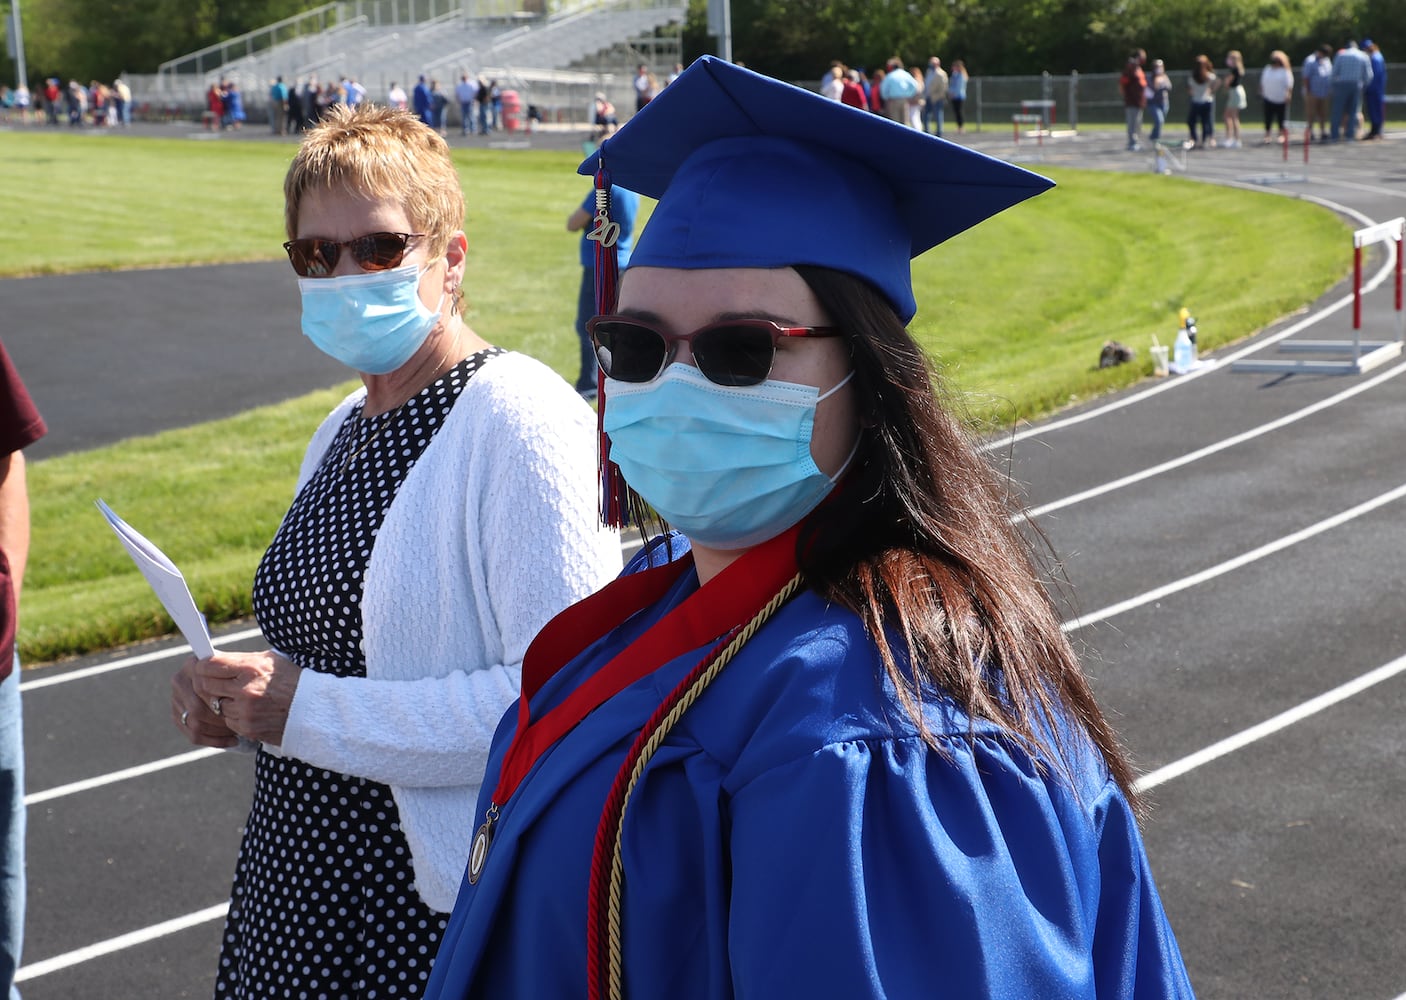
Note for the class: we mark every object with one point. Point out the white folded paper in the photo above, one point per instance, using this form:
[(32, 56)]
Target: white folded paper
[(166, 581)]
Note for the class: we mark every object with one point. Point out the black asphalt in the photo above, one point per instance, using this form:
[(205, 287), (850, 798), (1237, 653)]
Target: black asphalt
[(1280, 862)]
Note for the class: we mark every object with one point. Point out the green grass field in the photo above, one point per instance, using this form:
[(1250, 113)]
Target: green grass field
[(1015, 311)]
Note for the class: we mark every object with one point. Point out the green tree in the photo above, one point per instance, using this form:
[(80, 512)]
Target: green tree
[(98, 39), (796, 39)]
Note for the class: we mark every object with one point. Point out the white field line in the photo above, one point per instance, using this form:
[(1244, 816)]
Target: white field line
[(1150, 780), (1220, 569), (88, 784), (1386, 270), (629, 545), (121, 942), (128, 661), (1074, 624), (1210, 449), (1270, 726)]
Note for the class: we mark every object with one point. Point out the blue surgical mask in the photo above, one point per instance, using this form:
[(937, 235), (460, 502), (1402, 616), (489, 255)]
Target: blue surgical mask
[(728, 466), (373, 322)]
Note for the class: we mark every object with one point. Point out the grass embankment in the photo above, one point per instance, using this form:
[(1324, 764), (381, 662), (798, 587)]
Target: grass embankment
[(1015, 310)]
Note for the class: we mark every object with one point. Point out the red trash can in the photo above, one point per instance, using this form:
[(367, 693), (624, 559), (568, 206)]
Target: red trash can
[(512, 110)]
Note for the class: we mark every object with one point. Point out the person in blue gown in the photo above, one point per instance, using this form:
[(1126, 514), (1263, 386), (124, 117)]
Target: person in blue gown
[(826, 738)]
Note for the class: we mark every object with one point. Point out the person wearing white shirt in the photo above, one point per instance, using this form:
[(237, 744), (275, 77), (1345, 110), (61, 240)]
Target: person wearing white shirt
[(1276, 90), (897, 90)]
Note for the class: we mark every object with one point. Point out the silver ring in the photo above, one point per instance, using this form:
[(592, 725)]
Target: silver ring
[(185, 714), (215, 705)]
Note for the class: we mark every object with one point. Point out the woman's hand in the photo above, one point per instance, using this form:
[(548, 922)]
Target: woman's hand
[(250, 693), (192, 715)]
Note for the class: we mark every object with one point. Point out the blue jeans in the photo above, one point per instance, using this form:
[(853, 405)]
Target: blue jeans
[(1347, 101), (934, 112), (1159, 118), (585, 309), (12, 821), (1200, 114), (466, 117)]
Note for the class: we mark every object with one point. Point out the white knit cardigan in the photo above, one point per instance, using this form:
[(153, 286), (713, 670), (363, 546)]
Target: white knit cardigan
[(492, 533)]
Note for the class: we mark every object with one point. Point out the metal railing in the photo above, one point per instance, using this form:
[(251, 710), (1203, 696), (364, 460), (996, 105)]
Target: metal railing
[(212, 57), (1096, 99)]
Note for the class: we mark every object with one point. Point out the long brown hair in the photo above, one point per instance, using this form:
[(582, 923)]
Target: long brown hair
[(920, 545)]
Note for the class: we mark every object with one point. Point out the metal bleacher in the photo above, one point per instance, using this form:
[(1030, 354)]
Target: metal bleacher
[(379, 43)]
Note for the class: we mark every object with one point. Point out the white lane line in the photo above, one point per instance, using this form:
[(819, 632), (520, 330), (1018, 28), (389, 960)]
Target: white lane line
[(129, 661), (1103, 614), (628, 547), (124, 941), (87, 784), (1268, 727), (1211, 449), (1150, 780), (1389, 192), (1386, 270), (1220, 569)]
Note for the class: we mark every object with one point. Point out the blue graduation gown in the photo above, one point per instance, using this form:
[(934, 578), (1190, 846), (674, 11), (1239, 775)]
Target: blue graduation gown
[(794, 837)]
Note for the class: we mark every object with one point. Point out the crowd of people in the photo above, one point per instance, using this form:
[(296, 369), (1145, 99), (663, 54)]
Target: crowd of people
[(97, 104), (307, 102), (1344, 93), (298, 107), (915, 96)]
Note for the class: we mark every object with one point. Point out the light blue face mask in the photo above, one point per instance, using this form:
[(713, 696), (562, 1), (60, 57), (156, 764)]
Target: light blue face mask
[(373, 322), (728, 466)]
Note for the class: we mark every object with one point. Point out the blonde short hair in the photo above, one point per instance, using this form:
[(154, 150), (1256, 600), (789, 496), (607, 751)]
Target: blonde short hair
[(379, 152)]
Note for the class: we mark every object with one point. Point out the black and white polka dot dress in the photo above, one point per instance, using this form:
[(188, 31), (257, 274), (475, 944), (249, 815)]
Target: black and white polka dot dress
[(324, 902)]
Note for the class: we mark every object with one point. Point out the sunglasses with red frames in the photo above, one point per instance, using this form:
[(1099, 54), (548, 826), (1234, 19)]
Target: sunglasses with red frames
[(736, 352), (313, 257)]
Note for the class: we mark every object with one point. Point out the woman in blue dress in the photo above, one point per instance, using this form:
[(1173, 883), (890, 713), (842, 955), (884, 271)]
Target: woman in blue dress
[(829, 740)]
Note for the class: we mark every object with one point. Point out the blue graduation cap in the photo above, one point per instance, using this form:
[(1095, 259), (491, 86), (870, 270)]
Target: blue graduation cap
[(753, 172)]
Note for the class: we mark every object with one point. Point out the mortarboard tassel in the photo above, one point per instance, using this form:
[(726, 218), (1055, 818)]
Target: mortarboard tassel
[(615, 505)]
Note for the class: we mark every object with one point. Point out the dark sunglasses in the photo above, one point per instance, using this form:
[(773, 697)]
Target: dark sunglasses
[(317, 258), (735, 352)]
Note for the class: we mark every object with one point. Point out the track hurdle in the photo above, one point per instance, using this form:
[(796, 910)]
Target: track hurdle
[(1364, 354), (1037, 120), (1044, 108)]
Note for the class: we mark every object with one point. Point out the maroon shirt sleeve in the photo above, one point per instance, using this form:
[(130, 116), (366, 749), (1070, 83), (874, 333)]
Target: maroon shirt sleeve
[(20, 426), (20, 422)]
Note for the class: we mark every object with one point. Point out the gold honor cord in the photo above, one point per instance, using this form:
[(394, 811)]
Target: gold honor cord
[(656, 739)]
